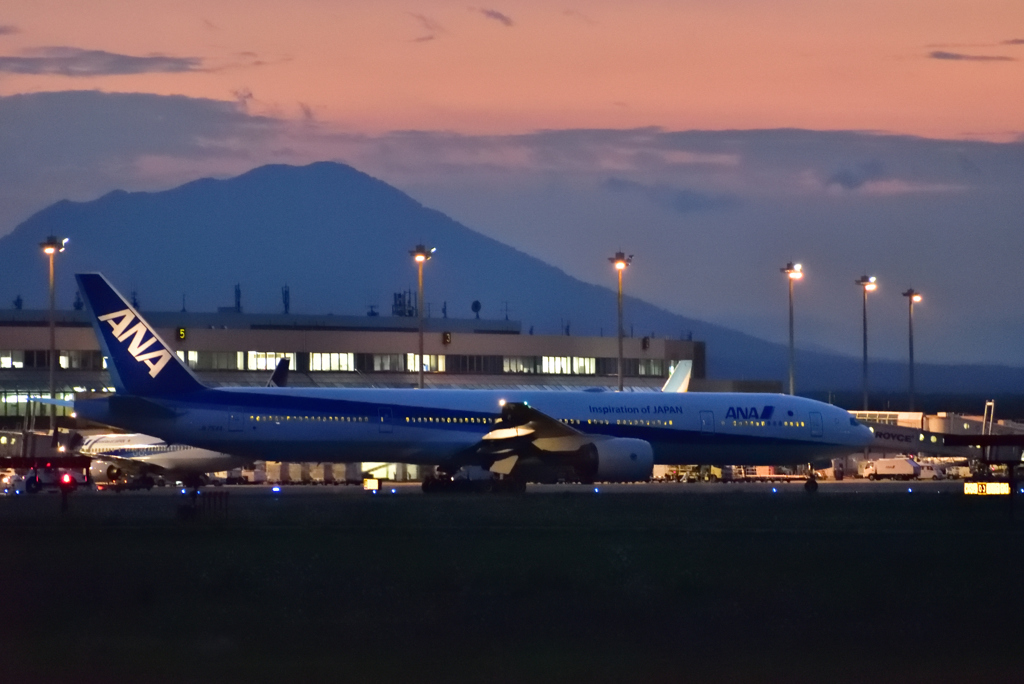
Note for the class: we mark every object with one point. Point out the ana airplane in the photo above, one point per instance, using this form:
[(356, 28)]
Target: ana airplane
[(516, 436), (138, 460)]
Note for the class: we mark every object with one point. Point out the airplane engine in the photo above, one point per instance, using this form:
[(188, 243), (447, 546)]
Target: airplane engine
[(103, 472), (623, 460)]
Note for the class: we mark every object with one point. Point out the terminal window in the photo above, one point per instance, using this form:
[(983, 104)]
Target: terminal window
[(389, 362), (522, 364), (204, 360), (12, 359), (323, 361), (81, 360), (268, 360), (569, 365), (653, 367), (432, 363), (484, 365)]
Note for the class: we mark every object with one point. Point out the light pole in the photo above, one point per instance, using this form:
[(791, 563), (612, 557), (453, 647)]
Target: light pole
[(621, 262), (51, 246), (867, 284), (913, 297), (420, 255), (795, 272)]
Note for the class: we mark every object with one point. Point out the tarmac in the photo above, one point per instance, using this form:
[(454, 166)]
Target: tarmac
[(661, 582)]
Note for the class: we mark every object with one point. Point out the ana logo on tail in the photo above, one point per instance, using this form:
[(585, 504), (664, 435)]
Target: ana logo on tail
[(121, 323)]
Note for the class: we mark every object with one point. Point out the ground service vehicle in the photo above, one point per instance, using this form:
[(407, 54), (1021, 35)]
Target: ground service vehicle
[(889, 469)]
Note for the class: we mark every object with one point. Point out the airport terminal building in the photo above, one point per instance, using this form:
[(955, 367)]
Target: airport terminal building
[(240, 349)]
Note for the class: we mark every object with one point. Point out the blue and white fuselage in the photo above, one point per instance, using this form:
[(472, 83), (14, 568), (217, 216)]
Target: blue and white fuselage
[(145, 453), (434, 426), (610, 433)]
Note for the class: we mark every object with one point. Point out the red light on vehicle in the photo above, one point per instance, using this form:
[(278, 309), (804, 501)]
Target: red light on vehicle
[(66, 479)]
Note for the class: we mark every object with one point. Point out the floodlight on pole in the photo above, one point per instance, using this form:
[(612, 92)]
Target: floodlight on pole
[(866, 284), (794, 272), (51, 246), (421, 255), (621, 263), (913, 297)]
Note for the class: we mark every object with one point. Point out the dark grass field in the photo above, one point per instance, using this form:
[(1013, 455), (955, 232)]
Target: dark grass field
[(620, 587)]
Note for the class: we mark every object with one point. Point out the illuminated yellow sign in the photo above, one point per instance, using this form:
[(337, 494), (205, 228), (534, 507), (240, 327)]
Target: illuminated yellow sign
[(987, 488), (371, 484), (181, 333)]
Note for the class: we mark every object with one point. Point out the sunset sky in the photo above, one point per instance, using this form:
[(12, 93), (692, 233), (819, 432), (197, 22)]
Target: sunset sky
[(938, 68), (716, 139)]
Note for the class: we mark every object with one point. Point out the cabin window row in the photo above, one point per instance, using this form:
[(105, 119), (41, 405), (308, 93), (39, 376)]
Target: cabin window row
[(317, 419), (449, 419)]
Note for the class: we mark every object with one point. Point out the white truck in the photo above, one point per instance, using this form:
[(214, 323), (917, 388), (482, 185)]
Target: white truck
[(932, 471), (889, 469), (957, 472)]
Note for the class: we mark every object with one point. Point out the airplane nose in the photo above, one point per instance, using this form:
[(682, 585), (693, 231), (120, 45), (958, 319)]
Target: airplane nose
[(865, 435)]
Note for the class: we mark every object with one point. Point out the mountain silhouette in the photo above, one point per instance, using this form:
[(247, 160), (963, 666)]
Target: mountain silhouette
[(340, 240)]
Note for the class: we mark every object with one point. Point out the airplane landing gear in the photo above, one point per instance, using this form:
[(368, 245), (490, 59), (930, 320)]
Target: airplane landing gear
[(811, 486), (442, 482), (187, 511)]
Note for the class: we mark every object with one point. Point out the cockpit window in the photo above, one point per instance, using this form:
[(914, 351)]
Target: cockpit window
[(853, 422)]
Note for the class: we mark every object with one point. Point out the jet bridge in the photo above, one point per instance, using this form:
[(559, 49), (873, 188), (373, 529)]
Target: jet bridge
[(908, 440)]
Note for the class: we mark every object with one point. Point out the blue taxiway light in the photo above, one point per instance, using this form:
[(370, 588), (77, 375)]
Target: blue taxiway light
[(774, 490), (275, 489), (182, 490), (393, 491), (596, 490), (909, 489)]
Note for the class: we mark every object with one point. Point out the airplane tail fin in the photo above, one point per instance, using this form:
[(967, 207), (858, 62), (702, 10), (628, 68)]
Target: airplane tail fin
[(280, 376), (140, 363), (679, 381)]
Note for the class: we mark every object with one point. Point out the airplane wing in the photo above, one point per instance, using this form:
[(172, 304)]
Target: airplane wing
[(67, 403), (521, 419), (522, 434), (531, 445)]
